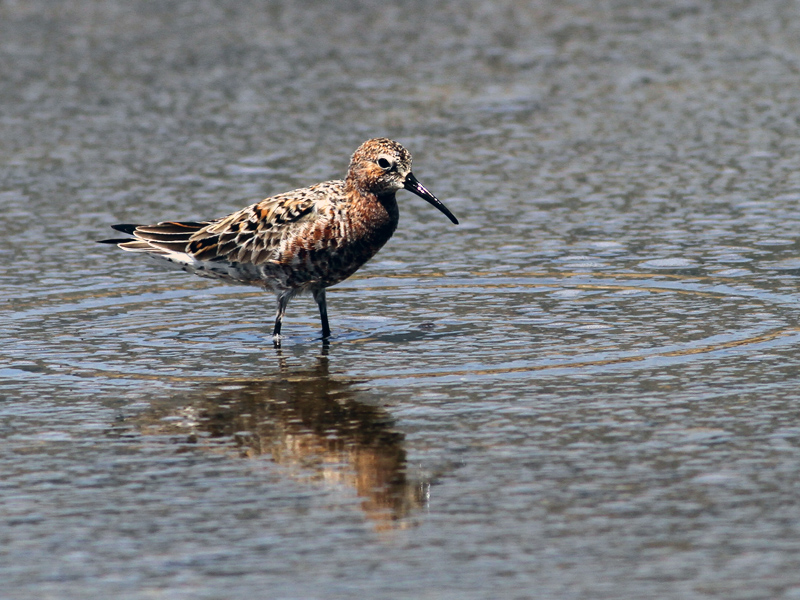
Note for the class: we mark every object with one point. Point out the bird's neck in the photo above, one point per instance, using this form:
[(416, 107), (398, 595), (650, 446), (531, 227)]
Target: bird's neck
[(389, 202), (377, 214)]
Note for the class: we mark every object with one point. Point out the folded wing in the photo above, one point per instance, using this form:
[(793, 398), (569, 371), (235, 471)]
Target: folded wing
[(252, 235)]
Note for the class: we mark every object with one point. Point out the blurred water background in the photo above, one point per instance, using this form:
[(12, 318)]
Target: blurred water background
[(586, 390)]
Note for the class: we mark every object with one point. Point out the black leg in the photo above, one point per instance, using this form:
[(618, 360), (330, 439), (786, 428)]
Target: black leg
[(283, 300), (319, 296), (277, 331)]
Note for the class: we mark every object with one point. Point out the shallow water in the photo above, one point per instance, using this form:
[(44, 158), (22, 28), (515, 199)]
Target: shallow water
[(586, 390)]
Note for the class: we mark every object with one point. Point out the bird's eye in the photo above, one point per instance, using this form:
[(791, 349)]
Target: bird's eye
[(383, 163)]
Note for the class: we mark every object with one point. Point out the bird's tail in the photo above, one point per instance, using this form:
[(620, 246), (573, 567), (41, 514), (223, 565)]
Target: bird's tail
[(168, 240)]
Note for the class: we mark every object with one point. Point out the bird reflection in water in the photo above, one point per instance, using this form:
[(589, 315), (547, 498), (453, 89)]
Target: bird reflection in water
[(306, 419)]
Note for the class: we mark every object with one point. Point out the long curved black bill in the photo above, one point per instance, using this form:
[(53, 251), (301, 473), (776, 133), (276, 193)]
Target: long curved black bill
[(415, 187)]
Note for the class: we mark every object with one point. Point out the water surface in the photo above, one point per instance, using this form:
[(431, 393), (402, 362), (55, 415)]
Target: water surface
[(585, 390)]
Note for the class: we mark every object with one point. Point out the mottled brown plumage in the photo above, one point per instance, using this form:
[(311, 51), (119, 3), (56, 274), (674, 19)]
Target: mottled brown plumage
[(297, 242)]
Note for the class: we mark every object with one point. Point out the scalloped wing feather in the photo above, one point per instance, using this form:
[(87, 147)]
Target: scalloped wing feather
[(257, 234), (261, 233)]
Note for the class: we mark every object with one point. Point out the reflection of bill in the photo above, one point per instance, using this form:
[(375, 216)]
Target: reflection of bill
[(305, 419)]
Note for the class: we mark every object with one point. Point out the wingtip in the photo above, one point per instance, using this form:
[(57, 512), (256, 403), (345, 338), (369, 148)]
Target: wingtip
[(125, 227)]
